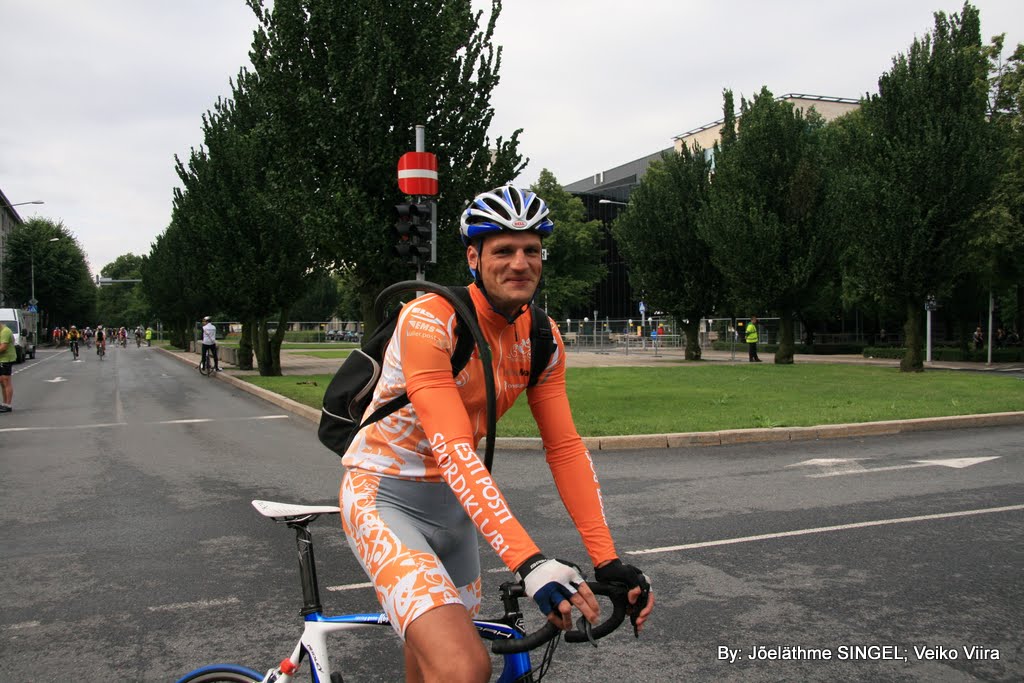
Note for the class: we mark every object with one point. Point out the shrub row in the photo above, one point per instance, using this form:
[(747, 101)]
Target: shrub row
[(948, 353)]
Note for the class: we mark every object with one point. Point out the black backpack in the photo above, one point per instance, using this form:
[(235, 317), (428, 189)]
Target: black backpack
[(351, 389)]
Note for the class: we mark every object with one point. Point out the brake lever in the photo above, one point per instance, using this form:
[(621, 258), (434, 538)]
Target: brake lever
[(636, 608)]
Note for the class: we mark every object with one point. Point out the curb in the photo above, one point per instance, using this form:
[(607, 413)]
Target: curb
[(725, 437)]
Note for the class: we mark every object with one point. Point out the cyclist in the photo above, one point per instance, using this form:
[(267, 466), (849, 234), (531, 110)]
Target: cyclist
[(138, 336), (210, 344), (415, 493), (122, 336), (101, 340), (74, 336)]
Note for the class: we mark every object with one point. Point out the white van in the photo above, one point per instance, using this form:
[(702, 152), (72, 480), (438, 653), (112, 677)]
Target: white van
[(23, 324)]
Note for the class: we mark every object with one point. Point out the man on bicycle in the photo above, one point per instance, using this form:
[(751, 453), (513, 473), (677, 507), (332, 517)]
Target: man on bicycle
[(74, 336), (415, 493), (101, 340), (209, 345)]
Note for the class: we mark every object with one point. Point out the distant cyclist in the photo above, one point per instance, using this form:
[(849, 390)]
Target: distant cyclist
[(138, 336), (101, 340), (210, 344), (74, 336)]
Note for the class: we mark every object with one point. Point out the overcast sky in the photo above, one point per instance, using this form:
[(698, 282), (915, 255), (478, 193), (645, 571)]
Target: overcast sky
[(98, 97)]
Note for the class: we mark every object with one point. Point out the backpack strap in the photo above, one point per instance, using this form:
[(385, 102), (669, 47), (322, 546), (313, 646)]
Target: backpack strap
[(542, 343), (460, 358)]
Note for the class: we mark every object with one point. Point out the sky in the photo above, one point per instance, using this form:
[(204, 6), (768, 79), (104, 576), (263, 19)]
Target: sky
[(97, 98)]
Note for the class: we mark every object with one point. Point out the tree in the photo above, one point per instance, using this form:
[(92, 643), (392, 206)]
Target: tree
[(915, 171), (319, 302), (764, 216), (343, 86), (46, 253), (123, 304), (573, 266), (658, 234), (997, 227)]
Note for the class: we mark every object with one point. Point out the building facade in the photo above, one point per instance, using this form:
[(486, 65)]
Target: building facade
[(9, 218)]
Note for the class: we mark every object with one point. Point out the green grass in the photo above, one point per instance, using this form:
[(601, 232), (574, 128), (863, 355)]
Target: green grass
[(340, 353), (610, 401), (298, 346)]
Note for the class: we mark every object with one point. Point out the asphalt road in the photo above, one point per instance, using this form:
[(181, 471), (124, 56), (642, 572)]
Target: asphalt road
[(130, 551)]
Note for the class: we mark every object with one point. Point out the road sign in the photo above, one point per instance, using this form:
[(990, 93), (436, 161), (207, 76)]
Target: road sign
[(417, 173), (33, 301)]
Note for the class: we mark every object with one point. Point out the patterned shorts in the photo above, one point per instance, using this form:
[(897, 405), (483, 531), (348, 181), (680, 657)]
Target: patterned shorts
[(415, 542)]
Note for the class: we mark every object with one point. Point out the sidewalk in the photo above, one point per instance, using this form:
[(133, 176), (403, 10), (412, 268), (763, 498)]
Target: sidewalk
[(297, 363)]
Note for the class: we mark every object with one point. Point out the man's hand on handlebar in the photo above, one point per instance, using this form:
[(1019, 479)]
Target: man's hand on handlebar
[(557, 586), (641, 598)]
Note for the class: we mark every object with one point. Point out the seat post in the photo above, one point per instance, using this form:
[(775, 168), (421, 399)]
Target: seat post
[(307, 567)]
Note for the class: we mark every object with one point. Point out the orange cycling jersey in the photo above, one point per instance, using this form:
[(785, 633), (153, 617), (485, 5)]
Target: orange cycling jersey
[(434, 437)]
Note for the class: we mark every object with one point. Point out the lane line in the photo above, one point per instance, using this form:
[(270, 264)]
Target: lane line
[(25, 366), (103, 425), (175, 607), (827, 529), (350, 586)]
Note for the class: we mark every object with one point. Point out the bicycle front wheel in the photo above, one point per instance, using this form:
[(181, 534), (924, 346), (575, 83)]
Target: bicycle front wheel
[(222, 673)]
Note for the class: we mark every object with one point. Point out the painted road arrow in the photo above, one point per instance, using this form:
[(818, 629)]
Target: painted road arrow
[(843, 466), (55, 379)]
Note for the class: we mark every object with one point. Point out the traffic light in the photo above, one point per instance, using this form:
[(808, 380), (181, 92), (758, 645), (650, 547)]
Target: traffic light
[(414, 233)]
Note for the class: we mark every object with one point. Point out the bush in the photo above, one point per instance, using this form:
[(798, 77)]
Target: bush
[(816, 349), (951, 354)]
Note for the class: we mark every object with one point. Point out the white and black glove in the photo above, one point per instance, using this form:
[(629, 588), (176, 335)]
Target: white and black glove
[(548, 582)]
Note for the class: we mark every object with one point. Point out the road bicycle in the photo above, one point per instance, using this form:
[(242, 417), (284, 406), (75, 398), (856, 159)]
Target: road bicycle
[(506, 634), (206, 364), (101, 349), (74, 349)]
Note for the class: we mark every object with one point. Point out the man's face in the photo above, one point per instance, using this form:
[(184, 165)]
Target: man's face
[(510, 268)]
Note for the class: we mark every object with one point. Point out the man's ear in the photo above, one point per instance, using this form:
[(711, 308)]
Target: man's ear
[(472, 257)]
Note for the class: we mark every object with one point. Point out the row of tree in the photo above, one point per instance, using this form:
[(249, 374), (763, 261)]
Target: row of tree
[(917, 194)]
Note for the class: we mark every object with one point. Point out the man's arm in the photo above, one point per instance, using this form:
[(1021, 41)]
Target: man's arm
[(569, 460)]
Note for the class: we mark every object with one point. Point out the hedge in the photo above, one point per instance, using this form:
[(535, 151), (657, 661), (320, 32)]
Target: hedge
[(951, 354)]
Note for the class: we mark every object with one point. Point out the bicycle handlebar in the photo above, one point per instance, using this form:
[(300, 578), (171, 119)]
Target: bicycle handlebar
[(617, 593)]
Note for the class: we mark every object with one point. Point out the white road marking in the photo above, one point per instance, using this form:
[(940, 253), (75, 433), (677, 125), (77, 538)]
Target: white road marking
[(826, 529), (58, 378), (25, 365), (102, 425), (176, 607), (955, 463), (22, 625), (350, 587)]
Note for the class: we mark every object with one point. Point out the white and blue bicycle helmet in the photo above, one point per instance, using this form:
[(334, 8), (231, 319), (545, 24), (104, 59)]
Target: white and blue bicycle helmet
[(505, 208)]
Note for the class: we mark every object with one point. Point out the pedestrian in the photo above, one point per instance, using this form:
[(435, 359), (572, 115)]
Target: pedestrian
[(752, 340), (149, 336), (979, 339), (415, 493), (1000, 337), (8, 355)]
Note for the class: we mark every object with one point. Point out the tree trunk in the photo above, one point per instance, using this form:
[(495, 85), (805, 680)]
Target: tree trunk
[(913, 359), (784, 354), (245, 346), (261, 347), (275, 344), (692, 331)]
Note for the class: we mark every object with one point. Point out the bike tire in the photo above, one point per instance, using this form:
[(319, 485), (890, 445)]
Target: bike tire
[(222, 673)]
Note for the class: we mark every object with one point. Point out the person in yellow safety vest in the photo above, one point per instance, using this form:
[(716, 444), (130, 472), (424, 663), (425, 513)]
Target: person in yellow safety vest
[(752, 339), (149, 336)]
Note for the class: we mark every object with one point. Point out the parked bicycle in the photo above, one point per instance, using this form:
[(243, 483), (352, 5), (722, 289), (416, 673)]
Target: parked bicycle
[(506, 633)]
